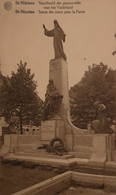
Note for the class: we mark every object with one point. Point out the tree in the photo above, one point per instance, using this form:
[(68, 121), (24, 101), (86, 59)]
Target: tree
[(97, 84), (20, 100), (114, 52)]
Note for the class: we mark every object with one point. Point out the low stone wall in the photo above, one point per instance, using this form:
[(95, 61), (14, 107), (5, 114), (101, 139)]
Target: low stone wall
[(82, 145), (95, 147), (108, 183), (51, 186), (13, 143), (61, 182), (113, 147)]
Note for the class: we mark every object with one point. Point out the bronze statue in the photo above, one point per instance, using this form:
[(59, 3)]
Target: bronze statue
[(102, 124), (58, 36), (52, 101)]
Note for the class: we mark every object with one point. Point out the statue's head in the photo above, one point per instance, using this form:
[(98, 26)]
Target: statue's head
[(96, 104), (51, 81), (56, 23)]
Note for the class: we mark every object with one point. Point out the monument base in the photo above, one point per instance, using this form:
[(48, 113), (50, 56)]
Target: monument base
[(60, 127), (51, 129), (99, 150), (57, 128)]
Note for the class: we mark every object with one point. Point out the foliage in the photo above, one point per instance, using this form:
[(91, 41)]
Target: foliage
[(19, 98), (97, 84), (114, 52)]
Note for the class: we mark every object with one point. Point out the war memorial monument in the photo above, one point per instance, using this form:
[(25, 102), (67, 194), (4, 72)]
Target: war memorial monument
[(84, 148)]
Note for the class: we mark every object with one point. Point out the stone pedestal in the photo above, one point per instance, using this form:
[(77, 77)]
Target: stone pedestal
[(99, 148), (61, 127), (51, 129), (47, 130), (58, 72)]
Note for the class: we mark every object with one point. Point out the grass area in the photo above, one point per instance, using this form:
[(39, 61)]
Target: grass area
[(14, 178)]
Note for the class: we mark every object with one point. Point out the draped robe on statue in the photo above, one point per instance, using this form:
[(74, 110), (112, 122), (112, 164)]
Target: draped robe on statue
[(58, 36)]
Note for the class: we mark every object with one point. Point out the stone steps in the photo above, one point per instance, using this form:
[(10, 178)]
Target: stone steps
[(55, 162), (80, 154), (42, 153)]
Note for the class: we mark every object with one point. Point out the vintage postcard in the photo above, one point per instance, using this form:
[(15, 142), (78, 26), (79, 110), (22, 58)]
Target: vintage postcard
[(57, 96)]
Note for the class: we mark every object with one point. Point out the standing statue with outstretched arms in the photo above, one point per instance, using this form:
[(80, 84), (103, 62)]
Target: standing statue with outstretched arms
[(58, 37)]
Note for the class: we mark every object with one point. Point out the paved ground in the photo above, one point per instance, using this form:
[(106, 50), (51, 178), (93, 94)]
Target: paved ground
[(84, 191)]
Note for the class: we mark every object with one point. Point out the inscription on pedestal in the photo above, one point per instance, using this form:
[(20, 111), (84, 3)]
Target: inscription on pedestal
[(48, 130), (55, 66)]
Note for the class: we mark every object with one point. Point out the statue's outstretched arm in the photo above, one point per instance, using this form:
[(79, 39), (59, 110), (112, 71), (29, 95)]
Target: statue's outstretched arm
[(49, 33), (44, 26), (64, 38)]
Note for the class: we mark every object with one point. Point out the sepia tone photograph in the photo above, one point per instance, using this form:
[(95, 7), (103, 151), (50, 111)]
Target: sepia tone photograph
[(57, 97)]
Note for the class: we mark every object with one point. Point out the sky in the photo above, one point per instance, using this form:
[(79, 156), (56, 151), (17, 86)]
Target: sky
[(89, 38)]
